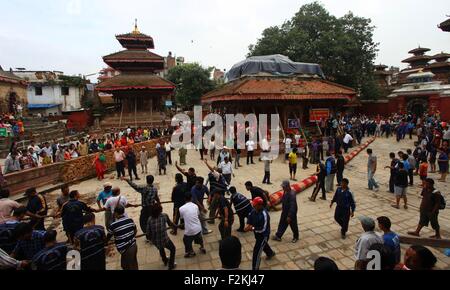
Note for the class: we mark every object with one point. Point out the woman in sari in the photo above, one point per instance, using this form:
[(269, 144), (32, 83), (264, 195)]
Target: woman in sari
[(100, 165)]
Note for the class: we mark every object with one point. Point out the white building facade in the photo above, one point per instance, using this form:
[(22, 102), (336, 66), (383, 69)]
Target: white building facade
[(49, 94)]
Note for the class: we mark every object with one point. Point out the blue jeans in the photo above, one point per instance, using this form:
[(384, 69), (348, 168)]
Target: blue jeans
[(372, 182)]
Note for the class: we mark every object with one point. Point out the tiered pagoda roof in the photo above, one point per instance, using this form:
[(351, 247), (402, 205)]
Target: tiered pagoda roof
[(419, 51), (136, 40), (445, 26), (441, 57), (137, 65), (135, 81), (380, 69), (130, 60), (419, 59)]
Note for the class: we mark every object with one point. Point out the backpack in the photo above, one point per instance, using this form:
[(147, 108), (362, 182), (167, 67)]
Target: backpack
[(333, 165), (442, 202)]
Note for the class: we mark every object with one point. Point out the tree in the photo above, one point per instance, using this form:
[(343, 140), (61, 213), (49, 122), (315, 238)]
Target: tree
[(192, 81), (344, 46)]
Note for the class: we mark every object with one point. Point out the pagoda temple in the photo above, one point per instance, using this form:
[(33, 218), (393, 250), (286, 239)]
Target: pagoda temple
[(445, 26), (275, 84), (419, 59), (137, 89)]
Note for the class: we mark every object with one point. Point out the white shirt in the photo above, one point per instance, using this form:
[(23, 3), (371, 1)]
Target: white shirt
[(348, 138), (250, 145), (119, 156), (36, 148), (364, 242), (190, 213), (446, 135), (113, 201), (212, 146), (288, 142), (227, 168), (168, 147)]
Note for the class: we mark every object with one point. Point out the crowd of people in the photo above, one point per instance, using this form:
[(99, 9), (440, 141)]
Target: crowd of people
[(13, 125), (54, 151), (199, 202)]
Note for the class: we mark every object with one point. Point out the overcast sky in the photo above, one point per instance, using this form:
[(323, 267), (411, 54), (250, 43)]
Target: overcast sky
[(73, 35)]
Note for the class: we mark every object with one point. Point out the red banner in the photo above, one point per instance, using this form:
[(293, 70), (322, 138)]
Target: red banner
[(315, 115)]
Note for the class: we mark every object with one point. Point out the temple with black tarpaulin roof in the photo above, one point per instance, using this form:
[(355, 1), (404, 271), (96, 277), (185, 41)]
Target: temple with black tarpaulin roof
[(276, 85)]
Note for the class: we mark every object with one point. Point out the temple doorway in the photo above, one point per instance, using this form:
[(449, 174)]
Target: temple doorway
[(418, 107)]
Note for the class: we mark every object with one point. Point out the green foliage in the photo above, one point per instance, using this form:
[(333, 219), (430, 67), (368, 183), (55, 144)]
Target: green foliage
[(72, 81), (192, 81), (344, 46)]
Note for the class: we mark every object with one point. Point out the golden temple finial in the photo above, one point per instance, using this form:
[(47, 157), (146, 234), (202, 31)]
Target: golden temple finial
[(136, 30)]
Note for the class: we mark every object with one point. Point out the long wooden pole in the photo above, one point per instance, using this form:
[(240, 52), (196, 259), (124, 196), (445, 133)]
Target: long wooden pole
[(281, 124), (135, 111), (317, 124), (121, 114), (301, 128)]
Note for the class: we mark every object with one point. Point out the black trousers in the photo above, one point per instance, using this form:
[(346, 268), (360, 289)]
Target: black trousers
[(411, 176), (342, 217), (249, 157), (305, 161), (212, 210), (339, 176), (320, 185), (169, 157), (266, 178), (346, 146), (260, 246), (132, 170), (242, 217), (227, 178), (391, 183), (225, 232), (120, 168), (283, 225), (187, 240), (162, 252), (143, 218), (176, 213)]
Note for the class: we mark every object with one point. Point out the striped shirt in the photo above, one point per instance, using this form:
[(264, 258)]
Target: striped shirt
[(6, 262), (26, 249), (7, 241), (241, 203), (52, 258), (124, 232)]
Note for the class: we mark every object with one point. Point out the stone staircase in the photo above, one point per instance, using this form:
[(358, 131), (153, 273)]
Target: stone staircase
[(37, 130)]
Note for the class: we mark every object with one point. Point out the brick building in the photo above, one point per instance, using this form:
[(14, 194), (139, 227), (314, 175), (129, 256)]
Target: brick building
[(13, 90)]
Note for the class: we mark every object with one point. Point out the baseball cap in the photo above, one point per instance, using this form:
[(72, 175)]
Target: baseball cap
[(257, 201), (108, 184), (367, 221)]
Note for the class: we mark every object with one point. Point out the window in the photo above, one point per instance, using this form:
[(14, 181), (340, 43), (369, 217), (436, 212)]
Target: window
[(65, 91), (38, 91)]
